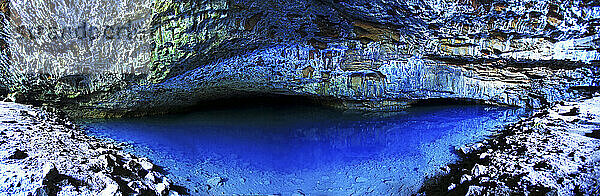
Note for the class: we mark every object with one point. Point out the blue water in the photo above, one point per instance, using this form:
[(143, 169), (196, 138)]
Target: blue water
[(270, 149)]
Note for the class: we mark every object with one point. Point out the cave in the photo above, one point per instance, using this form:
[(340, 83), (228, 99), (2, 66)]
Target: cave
[(299, 97)]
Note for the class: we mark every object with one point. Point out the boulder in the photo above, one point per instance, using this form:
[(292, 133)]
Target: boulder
[(162, 188), (152, 177), (470, 148), (50, 173), (475, 191), (137, 186), (146, 164), (478, 170), (105, 162), (111, 188)]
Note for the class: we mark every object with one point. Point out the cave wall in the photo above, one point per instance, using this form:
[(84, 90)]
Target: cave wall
[(379, 55), (65, 52)]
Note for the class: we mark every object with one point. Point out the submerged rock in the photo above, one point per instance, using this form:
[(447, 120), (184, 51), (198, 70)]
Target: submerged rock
[(469, 148), (374, 55), (216, 181), (360, 179)]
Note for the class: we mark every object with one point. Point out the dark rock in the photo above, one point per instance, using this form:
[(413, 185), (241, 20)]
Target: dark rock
[(50, 173), (573, 112), (541, 165), (594, 134), (50, 179), (18, 154)]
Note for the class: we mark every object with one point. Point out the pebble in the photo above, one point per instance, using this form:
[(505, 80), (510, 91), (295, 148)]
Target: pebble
[(465, 178), (215, 181), (451, 187), (298, 193), (474, 191), (478, 170), (360, 179)]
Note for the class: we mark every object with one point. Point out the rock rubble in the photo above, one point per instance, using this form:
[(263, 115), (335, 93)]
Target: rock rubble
[(42, 153), (553, 152)]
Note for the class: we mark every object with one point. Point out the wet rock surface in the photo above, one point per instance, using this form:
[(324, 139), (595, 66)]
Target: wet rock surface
[(42, 153), (373, 55), (553, 152)]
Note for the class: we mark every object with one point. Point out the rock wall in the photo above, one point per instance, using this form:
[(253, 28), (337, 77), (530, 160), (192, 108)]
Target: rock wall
[(68, 50), (377, 55)]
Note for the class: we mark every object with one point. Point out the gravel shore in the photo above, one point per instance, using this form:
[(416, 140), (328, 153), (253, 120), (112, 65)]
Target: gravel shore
[(554, 152), (42, 153)]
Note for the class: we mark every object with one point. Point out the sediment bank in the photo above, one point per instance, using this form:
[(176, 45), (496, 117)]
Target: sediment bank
[(42, 153), (555, 151)]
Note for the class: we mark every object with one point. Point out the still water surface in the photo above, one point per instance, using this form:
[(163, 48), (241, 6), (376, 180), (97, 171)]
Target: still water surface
[(283, 149)]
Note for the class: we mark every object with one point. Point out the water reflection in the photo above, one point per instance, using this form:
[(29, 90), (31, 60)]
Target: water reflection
[(293, 139)]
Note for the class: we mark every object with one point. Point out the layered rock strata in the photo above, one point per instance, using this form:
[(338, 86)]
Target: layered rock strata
[(377, 55)]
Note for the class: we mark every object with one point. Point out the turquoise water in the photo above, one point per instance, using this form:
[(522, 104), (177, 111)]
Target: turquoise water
[(283, 149)]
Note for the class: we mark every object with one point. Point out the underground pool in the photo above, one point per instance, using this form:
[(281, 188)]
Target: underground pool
[(304, 149)]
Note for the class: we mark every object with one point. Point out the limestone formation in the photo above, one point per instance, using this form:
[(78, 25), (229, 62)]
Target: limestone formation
[(150, 56)]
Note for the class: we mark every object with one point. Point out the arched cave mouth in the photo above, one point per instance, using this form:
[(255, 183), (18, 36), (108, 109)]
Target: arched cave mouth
[(281, 144), (283, 101), (258, 100)]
